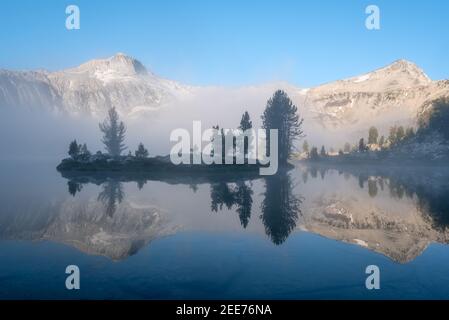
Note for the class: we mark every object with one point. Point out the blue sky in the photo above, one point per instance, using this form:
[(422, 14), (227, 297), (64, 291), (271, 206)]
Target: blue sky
[(229, 42)]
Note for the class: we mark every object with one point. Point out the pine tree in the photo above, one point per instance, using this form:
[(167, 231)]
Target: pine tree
[(373, 134), (84, 151), (392, 138), (323, 152), (314, 153), (74, 149), (438, 118), (113, 133), (362, 146), (246, 124), (382, 141), (141, 152), (400, 133), (305, 147), (281, 114)]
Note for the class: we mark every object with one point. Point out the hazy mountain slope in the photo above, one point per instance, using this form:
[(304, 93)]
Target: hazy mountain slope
[(345, 109), (30, 89), (390, 95), (92, 88)]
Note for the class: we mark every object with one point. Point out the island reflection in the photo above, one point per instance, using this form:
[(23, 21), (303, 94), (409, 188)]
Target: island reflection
[(279, 210), (397, 212)]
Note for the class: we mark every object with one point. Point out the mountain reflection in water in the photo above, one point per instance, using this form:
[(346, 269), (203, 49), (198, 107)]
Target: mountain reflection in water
[(397, 212)]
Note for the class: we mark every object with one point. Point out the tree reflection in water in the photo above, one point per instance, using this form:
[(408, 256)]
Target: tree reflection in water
[(229, 195), (111, 195), (74, 187), (280, 208)]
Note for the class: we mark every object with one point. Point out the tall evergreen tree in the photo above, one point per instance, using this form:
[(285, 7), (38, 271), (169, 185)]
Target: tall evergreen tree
[(281, 114), (314, 153), (84, 153), (392, 138), (141, 152), (400, 133), (382, 141), (84, 150), (74, 149), (113, 133), (438, 119), (362, 146), (323, 152), (246, 124), (305, 147), (373, 134)]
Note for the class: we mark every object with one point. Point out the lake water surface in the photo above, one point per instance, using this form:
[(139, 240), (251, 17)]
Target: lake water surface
[(307, 233)]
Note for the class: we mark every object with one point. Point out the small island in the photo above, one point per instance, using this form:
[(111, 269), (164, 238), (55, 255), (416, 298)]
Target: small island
[(280, 114), (138, 165), (130, 168)]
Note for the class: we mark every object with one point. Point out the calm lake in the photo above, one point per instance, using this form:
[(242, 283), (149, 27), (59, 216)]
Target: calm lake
[(306, 233)]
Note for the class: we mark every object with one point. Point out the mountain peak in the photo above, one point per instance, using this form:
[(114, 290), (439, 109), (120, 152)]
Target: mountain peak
[(132, 63), (398, 75), (403, 64), (119, 64), (406, 70)]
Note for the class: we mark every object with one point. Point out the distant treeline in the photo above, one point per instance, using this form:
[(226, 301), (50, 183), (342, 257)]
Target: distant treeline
[(433, 123)]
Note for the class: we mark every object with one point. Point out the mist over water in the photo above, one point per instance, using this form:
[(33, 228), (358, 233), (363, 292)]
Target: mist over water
[(38, 133)]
